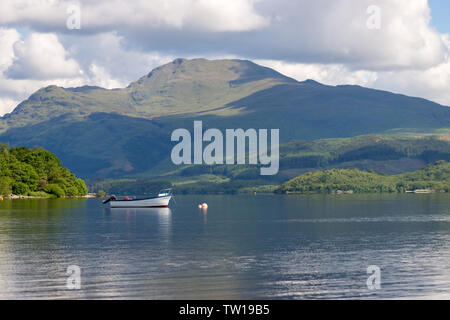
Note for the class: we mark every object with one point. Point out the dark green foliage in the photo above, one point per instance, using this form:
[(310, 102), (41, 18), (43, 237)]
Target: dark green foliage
[(136, 187), (55, 190), (20, 188), (328, 152), (231, 187), (101, 193), (373, 153), (5, 185), (433, 177), (25, 171)]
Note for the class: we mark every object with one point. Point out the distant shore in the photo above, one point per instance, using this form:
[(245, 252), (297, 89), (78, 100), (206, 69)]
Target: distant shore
[(15, 196)]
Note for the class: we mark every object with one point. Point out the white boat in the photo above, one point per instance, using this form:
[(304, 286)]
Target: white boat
[(159, 201)]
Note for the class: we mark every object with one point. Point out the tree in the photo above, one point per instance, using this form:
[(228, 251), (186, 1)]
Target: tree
[(5, 186), (24, 170)]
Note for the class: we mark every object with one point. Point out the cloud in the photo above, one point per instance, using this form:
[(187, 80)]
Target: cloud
[(120, 40), (102, 78), (106, 51), (101, 58), (101, 15), (41, 56), (7, 39), (13, 91), (331, 74), (301, 31), (432, 83), (5, 105)]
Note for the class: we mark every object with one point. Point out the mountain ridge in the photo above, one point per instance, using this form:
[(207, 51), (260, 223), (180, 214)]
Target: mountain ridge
[(159, 93), (103, 132), (153, 95)]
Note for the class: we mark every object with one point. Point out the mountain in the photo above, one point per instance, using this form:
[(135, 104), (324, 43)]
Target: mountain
[(126, 132), (180, 87)]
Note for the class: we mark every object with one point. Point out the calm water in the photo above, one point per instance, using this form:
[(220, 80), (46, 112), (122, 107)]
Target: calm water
[(243, 247)]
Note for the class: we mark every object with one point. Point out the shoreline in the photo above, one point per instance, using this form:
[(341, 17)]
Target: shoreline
[(15, 197), (339, 192)]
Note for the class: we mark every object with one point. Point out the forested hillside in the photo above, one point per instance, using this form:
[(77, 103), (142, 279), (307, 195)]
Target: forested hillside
[(125, 133), (383, 154), (435, 177), (36, 172)]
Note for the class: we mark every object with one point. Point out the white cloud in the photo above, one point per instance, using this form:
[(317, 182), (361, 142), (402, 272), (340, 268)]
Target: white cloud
[(101, 57), (432, 84), (7, 39), (202, 15), (405, 38), (102, 78), (106, 51), (301, 31), (13, 91), (122, 40), (41, 56), (6, 104), (331, 74)]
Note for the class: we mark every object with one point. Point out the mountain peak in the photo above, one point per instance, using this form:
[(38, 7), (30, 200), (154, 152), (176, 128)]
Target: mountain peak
[(179, 61), (200, 82), (219, 70), (131, 126), (312, 82), (213, 87)]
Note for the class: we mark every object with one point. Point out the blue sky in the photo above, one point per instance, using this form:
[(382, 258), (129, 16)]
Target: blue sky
[(440, 12)]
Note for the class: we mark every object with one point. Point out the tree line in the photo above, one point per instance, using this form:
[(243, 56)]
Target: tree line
[(36, 172), (435, 177)]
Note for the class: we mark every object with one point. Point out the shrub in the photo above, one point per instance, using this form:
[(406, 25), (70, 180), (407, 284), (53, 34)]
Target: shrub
[(5, 186), (55, 190), (40, 194), (20, 188)]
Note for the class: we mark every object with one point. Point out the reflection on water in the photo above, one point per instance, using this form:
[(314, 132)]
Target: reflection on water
[(158, 216), (243, 247)]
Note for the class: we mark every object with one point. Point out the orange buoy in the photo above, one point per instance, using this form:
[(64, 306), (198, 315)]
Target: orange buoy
[(199, 206), (204, 206)]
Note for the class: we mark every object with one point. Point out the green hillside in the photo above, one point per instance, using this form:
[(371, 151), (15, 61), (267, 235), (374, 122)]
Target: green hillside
[(125, 133), (433, 177), (36, 172), (384, 154), (180, 87)]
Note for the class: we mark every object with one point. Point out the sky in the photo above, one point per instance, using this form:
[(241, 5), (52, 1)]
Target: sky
[(401, 46), (440, 13)]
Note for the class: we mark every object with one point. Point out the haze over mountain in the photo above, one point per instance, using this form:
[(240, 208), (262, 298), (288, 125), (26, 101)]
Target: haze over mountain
[(101, 133)]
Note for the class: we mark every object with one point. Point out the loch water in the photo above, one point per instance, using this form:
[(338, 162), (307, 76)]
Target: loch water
[(241, 247)]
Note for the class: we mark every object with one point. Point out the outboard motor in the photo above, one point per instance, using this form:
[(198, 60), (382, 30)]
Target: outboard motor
[(112, 198)]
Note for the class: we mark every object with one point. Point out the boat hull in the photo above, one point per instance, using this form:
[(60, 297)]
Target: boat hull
[(158, 202)]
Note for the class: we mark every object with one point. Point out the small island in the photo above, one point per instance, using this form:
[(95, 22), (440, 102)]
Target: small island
[(36, 172), (433, 178)]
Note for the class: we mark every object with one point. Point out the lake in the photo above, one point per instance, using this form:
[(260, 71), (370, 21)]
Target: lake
[(242, 247)]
